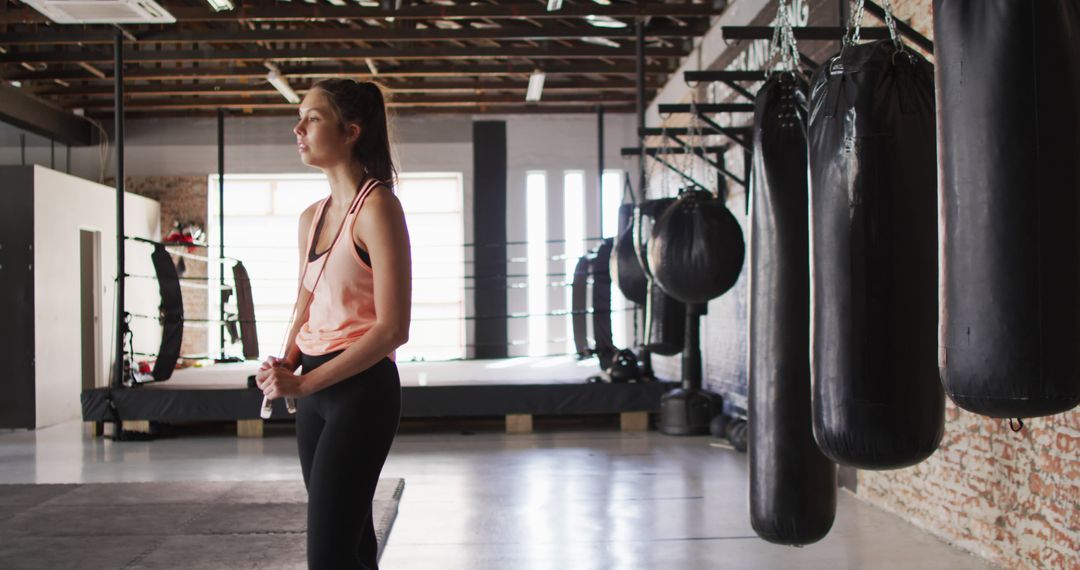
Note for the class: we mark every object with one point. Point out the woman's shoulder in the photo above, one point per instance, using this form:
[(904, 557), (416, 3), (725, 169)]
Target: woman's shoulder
[(308, 216), (380, 198)]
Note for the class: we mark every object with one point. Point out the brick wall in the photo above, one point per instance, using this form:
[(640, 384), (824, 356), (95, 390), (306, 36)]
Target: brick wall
[(1013, 498), (182, 198)]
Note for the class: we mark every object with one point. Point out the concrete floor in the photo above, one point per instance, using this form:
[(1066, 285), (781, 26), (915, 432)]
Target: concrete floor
[(559, 500)]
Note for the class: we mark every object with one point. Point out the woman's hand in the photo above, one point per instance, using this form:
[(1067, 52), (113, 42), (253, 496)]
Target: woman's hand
[(273, 361), (276, 380)]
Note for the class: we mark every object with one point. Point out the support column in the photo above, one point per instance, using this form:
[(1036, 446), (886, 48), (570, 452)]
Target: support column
[(118, 122)]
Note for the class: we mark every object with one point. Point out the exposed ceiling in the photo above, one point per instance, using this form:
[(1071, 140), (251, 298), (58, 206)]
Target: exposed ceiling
[(433, 56)]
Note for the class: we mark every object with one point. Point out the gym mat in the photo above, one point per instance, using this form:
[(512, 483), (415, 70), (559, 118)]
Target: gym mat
[(200, 525)]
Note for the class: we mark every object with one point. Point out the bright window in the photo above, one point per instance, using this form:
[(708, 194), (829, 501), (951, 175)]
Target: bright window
[(612, 194), (574, 234), (261, 214), (536, 238)]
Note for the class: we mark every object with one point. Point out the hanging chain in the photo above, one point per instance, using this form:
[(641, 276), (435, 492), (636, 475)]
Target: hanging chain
[(783, 40), (855, 25), (688, 157), (890, 22)]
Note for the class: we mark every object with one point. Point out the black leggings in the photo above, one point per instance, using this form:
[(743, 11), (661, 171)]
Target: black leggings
[(344, 433)]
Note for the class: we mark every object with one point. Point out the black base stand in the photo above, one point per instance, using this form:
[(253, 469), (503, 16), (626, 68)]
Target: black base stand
[(689, 409)]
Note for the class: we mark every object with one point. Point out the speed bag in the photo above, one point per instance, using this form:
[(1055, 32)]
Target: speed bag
[(877, 399), (1009, 90), (792, 484), (696, 251)]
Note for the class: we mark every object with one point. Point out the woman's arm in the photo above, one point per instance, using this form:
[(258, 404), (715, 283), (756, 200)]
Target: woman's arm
[(381, 228), (303, 296)]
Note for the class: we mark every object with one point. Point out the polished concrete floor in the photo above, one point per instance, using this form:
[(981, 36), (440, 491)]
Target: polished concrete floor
[(579, 499)]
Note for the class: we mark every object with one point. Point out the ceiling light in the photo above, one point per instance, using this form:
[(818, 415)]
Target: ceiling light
[(281, 84), (601, 41), (337, 2), (220, 5), (536, 86), (371, 65), (604, 21), (554, 5), (603, 2)]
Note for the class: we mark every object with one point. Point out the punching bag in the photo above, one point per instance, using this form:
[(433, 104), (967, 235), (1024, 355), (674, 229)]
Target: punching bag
[(171, 314), (1008, 80), (665, 323), (626, 270), (877, 399), (696, 250), (792, 484)]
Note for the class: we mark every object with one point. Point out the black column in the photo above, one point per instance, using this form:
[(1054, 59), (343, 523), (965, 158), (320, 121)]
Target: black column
[(17, 346), (221, 224), (489, 238), (600, 167), (639, 52), (118, 134)]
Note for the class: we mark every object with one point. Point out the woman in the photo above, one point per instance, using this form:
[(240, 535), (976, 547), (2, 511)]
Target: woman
[(356, 291)]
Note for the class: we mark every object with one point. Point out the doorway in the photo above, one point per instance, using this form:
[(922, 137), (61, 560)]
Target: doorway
[(90, 306)]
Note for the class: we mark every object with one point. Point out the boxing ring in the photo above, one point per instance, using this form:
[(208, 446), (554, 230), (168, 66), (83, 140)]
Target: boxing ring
[(551, 385)]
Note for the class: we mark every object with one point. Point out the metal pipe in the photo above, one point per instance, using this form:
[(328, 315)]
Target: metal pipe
[(639, 47), (118, 135), (600, 166), (691, 356), (221, 223)]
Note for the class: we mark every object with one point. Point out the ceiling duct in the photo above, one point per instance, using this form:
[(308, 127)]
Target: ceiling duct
[(102, 11)]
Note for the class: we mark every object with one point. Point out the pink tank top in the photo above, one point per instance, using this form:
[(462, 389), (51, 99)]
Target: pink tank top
[(342, 306)]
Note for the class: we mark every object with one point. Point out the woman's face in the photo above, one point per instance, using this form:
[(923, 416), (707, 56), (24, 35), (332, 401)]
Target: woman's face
[(319, 137)]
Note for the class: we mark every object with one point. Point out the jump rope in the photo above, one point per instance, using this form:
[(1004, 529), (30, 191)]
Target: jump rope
[(290, 404)]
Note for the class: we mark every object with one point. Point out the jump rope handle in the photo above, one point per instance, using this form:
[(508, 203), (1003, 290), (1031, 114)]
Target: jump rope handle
[(268, 407)]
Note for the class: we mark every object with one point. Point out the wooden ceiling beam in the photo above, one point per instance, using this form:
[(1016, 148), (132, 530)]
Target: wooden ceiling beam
[(537, 10), (328, 34), (522, 109), (209, 89), (353, 71), (277, 102), (343, 54), (296, 11)]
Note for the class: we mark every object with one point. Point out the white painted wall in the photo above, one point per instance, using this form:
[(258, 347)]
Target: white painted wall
[(64, 205)]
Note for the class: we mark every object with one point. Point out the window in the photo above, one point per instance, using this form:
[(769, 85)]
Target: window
[(537, 252), (574, 236), (261, 214), (611, 196), (434, 209)]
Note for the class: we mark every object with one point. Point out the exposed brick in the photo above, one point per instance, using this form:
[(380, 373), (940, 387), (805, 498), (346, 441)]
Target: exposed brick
[(184, 199)]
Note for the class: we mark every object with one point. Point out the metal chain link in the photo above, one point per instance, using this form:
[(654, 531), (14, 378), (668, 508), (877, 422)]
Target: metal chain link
[(783, 40), (855, 25)]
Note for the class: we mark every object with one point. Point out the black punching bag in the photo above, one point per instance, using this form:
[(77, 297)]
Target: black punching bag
[(877, 399), (696, 251), (1008, 80), (792, 484), (665, 323), (626, 269)]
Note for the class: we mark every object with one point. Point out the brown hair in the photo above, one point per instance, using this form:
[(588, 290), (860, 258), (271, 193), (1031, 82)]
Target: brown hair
[(362, 102)]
